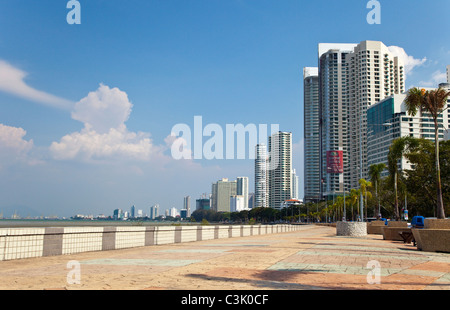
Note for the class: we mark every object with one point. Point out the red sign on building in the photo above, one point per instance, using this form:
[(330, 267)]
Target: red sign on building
[(335, 162)]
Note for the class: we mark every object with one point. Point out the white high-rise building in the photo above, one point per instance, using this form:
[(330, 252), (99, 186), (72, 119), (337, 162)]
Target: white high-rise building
[(242, 189), (295, 193), (280, 168), (311, 140), (333, 114), (374, 73), (261, 178), (237, 203), (352, 77), (174, 212)]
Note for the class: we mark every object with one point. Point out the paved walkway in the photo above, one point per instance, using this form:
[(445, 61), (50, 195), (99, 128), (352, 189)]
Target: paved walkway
[(312, 258)]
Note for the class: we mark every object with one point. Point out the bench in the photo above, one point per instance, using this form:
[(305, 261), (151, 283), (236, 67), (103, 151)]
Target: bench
[(407, 237)]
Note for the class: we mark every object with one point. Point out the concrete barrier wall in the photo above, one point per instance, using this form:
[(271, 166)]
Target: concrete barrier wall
[(18, 243)]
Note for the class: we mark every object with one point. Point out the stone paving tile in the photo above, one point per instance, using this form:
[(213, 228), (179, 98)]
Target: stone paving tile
[(291, 280), (140, 262), (433, 266), (251, 251), (328, 268), (425, 273), (184, 251)]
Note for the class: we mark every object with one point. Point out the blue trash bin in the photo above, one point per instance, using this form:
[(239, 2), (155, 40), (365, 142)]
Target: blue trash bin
[(417, 222)]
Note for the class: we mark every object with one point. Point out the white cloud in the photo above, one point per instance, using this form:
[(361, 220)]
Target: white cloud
[(12, 82), (11, 138), (105, 135), (437, 77), (440, 77), (103, 109), (116, 143), (409, 61), (13, 147)]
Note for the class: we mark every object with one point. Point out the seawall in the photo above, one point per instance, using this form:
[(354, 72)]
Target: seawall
[(19, 243)]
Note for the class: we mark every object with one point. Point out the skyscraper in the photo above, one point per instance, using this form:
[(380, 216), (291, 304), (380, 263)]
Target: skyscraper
[(187, 205), (261, 188), (118, 214), (222, 190), (154, 211), (173, 212), (280, 168), (311, 134), (237, 203), (242, 189), (374, 73), (295, 193), (333, 110)]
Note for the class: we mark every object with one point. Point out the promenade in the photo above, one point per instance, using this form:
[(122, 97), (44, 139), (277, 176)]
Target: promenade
[(312, 258)]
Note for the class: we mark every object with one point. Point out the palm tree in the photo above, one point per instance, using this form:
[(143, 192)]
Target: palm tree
[(433, 102), (364, 185), (354, 194), (396, 151), (339, 204), (375, 176)]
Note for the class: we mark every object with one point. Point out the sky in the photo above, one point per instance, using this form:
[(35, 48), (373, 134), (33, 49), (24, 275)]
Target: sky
[(87, 110)]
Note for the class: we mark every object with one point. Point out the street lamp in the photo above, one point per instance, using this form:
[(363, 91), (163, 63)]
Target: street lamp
[(345, 210), (361, 206)]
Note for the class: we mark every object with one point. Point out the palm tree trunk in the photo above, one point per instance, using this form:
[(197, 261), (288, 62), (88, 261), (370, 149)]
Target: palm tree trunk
[(378, 200), (440, 205), (367, 207), (396, 197)]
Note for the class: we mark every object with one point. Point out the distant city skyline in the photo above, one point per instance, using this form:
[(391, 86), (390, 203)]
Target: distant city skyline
[(86, 110)]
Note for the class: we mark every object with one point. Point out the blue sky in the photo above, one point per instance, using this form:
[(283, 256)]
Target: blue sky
[(161, 63)]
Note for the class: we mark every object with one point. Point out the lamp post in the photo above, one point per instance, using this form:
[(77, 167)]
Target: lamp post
[(345, 210), (361, 203)]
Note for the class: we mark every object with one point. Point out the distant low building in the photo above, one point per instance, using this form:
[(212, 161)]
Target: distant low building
[(237, 203), (203, 204), (118, 214), (183, 213), (289, 202)]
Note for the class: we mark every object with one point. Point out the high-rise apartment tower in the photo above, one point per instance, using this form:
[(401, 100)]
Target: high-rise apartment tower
[(280, 168), (374, 73), (311, 140), (261, 178)]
